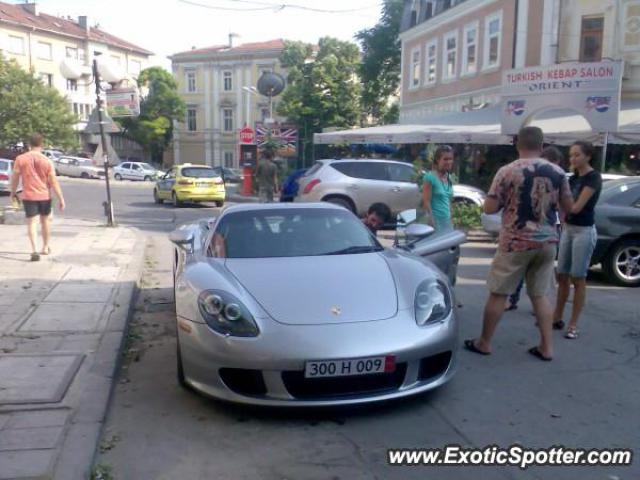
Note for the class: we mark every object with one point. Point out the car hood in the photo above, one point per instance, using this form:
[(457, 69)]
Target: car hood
[(321, 289)]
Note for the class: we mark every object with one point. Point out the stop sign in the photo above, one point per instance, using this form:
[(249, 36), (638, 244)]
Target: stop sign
[(247, 136)]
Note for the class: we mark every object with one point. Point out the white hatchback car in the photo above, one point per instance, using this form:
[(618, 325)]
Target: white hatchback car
[(135, 171)]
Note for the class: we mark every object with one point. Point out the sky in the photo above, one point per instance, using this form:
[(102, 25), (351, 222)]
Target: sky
[(170, 26)]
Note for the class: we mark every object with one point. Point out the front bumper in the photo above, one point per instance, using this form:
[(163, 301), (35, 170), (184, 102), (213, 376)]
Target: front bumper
[(269, 369)]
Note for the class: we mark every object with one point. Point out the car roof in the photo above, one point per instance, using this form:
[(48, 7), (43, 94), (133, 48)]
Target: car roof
[(262, 207), (374, 160)]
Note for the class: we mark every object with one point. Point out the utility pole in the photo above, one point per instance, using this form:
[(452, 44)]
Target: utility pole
[(103, 139)]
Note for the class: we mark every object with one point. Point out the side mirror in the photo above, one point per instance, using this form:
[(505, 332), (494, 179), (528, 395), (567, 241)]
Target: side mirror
[(416, 230), (182, 238)]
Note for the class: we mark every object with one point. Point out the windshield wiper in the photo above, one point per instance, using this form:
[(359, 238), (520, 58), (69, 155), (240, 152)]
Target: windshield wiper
[(356, 249)]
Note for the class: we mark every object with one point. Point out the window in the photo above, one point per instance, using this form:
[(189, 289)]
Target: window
[(631, 26), (360, 169), (431, 62), (191, 82), (415, 13), (72, 85), (227, 115), (16, 45), (228, 159), (401, 173), (47, 79), (492, 40), (125, 165), (591, 39), (450, 54), (470, 50), (415, 68), (44, 51), (227, 80), (134, 67), (191, 120), (72, 52)]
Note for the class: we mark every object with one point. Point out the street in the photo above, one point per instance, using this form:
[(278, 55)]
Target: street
[(585, 398)]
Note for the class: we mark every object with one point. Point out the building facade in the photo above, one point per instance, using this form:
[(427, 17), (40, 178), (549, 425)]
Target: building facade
[(61, 51), (218, 86), (454, 53)]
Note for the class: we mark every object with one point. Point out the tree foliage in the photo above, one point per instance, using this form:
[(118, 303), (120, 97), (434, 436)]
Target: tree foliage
[(28, 106), (380, 68), (153, 129), (323, 89)]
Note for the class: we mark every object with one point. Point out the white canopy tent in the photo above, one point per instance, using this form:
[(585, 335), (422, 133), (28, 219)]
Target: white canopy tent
[(483, 127)]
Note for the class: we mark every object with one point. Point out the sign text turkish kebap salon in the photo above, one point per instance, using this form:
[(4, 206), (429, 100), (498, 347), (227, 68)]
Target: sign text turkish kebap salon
[(590, 89)]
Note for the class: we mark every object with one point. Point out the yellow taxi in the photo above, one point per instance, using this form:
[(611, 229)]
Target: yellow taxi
[(190, 183)]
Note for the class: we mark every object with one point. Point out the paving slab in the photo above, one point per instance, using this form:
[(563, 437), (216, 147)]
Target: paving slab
[(36, 419), (30, 438), (92, 274), (30, 379), (64, 317), (26, 464), (80, 293)]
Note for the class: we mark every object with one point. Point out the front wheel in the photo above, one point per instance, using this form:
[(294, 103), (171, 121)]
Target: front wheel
[(117, 176), (147, 178), (622, 263), (84, 175), (219, 203)]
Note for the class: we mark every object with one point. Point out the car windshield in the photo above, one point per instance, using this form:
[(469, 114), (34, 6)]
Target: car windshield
[(199, 172), (146, 166), (291, 233)]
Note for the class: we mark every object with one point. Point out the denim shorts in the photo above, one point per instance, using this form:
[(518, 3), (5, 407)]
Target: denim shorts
[(576, 247)]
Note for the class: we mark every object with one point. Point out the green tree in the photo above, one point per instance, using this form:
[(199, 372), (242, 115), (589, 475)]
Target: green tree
[(323, 88), (380, 68), (28, 106), (153, 129)]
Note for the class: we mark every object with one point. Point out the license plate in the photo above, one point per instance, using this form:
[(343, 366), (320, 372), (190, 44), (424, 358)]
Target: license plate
[(202, 185), (349, 367)]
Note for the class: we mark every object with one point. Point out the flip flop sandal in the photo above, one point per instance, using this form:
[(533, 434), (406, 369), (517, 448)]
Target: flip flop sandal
[(46, 251), (471, 346), (559, 325), (572, 333), (536, 353), (35, 257)]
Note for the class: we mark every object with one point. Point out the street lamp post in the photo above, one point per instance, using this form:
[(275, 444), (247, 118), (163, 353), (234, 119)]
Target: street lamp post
[(103, 139)]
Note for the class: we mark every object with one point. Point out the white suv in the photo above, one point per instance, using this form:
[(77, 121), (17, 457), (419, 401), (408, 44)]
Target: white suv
[(357, 184)]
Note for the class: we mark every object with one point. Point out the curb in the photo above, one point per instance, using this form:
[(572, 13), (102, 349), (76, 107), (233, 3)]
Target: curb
[(80, 444)]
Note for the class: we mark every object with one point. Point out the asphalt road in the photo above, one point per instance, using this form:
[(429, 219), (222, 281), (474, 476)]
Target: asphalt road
[(586, 398)]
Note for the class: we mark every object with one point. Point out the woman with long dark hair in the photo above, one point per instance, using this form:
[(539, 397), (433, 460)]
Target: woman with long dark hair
[(579, 236), (437, 189)]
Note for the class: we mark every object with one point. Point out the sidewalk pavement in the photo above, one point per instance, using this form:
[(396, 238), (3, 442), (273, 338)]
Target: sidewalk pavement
[(62, 322)]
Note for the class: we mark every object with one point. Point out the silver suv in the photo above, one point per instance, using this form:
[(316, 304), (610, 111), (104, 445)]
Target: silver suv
[(356, 184)]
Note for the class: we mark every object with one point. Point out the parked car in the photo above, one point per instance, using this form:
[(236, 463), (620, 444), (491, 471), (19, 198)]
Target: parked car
[(310, 335), (77, 167), (229, 175), (190, 183), (52, 154), (291, 186), (135, 171), (356, 184), (618, 227), (6, 168)]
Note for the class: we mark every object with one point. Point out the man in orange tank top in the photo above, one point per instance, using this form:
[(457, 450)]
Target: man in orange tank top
[(38, 178)]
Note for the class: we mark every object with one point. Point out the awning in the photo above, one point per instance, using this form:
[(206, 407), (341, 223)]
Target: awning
[(483, 127)]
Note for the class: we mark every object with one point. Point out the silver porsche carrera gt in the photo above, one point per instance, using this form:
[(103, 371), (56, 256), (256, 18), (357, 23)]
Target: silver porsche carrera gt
[(298, 304)]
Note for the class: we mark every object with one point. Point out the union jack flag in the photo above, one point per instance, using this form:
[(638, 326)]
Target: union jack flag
[(285, 135)]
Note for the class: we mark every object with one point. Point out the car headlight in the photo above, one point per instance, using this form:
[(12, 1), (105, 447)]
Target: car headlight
[(225, 314), (432, 303)]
